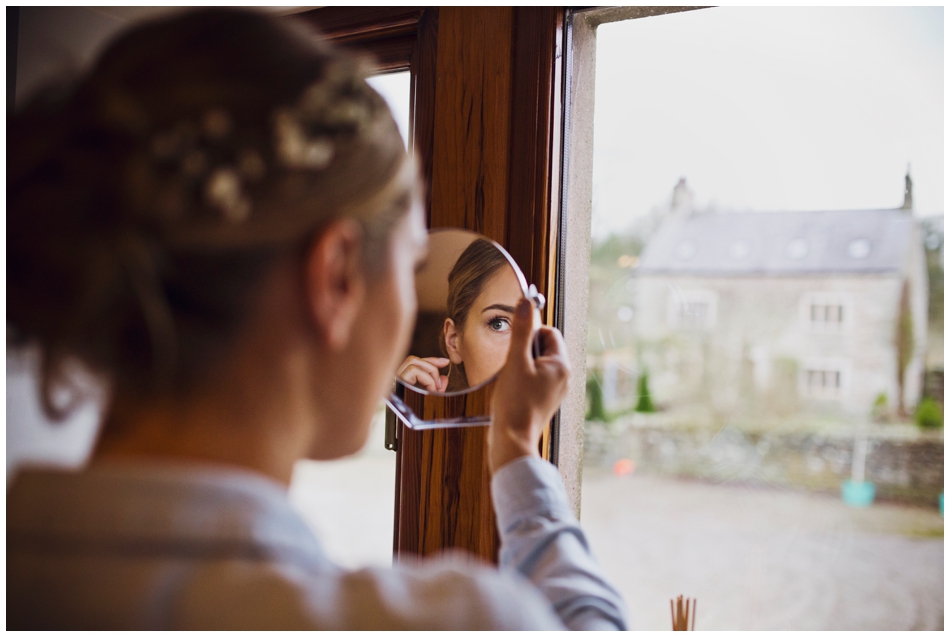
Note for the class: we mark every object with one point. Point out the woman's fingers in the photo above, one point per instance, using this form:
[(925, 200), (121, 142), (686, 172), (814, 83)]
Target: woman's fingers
[(550, 342), (519, 347), (437, 361), (429, 368), (430, 364), (529, 390), (417, 376), (425, 372)]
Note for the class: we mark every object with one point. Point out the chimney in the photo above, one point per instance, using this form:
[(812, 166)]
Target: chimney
[(682, 203), (908, 191)]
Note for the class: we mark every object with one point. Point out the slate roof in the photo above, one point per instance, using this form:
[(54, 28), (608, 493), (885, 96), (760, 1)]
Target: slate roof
[(768, 243)]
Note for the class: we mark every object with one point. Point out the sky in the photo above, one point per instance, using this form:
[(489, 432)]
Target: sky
[(769, 109)]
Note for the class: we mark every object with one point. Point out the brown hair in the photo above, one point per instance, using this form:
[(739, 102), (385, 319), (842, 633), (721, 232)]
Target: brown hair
[(474, 267), (147, 200)]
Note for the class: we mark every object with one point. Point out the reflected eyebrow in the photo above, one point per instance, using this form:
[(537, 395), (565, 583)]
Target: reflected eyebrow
[(503, 308)]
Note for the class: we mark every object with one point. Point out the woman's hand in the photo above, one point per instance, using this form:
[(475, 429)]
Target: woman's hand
[(425, 372), (528, 390)]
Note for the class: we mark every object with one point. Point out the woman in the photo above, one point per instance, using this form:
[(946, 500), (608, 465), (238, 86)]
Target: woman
[(221, 223), (483, 293)]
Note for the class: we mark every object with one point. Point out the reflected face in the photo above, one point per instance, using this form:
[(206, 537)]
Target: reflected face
[(482, 343)]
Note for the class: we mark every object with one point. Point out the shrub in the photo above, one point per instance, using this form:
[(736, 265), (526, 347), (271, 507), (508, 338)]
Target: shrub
[(879, 411), (595, 396), (644, 400), (929, 414)]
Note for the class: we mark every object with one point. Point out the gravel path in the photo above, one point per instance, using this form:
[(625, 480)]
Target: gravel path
[(764, 559)]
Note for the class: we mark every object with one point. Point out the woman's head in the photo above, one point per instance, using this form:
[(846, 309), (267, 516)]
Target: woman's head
[(483, 292), (148, 202)]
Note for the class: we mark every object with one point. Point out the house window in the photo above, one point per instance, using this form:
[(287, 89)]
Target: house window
[(823, 379), (826, 312), (797, 249), (694, 313), (859, 249), (692, 309), (822, 382), (827, 315)]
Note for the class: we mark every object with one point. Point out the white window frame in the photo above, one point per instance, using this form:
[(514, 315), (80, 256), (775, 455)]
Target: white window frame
[(810, 366), (680, 299), (576, 196), (827, 299)]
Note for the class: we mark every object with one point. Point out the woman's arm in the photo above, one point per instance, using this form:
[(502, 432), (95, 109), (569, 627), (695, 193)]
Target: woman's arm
[(540, 537)]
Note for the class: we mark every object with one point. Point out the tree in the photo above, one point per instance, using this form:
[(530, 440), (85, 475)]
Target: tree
[(644, 400), (596, 397), (904, 341)]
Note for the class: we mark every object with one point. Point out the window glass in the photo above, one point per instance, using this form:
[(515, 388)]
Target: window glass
[(349, 502), (394, 87), (765, 341)]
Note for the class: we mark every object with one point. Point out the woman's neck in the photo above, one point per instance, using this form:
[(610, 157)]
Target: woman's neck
[(262, 422)]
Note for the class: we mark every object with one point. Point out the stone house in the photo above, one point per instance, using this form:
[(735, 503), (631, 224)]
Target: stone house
[(787, 312)]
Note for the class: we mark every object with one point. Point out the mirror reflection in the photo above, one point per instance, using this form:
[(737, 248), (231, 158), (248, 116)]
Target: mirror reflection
[(467, 293)]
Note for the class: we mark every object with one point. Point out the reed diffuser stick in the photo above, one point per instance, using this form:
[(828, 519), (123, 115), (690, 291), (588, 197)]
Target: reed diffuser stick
[(681, 613)]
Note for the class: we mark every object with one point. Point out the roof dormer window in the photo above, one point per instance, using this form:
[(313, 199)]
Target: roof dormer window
[(740, 250), (797, 249), (859, 249), (686, 250)]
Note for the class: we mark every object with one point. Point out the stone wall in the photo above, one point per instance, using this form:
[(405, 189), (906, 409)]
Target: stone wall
[(905, 464)]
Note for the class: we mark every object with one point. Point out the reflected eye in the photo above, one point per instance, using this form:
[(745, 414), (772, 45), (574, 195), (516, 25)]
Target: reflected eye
[(499, 324)]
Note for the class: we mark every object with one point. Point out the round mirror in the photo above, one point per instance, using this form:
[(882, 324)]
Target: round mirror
[(467, 290)]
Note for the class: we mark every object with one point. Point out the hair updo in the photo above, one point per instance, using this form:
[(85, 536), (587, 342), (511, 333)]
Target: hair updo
[(146, 201)]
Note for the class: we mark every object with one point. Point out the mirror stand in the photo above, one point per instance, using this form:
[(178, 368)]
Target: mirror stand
[(410, 420)]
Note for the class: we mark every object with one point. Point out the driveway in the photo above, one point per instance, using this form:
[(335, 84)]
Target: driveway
[(758, 558)]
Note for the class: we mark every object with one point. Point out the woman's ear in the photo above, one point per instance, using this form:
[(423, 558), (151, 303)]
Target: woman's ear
[(335, 283), (451, 336)]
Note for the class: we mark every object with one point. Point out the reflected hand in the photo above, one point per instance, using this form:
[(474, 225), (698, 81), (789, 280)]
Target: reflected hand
[(528, 391), (425, 372)]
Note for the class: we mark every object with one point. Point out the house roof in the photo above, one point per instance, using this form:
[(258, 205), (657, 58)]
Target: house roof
[(844, 241)]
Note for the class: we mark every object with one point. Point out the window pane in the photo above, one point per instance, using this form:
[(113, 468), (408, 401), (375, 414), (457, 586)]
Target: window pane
[(394, 87), (758, 331), (349, 502)]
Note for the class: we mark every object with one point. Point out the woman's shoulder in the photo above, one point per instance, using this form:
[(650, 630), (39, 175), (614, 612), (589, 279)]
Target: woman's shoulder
[(437, 594), (214, 550)]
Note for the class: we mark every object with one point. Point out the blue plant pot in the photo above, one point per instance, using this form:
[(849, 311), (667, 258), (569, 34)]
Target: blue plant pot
[(941, 505), (857, 494)]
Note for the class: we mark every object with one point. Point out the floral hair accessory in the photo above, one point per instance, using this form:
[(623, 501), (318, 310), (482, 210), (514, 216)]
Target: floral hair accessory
[(206, 162), (295, 149), (223, 191), (337, 106)]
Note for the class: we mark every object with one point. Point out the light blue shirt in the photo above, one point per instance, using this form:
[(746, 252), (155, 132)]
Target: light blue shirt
[(183, 546)]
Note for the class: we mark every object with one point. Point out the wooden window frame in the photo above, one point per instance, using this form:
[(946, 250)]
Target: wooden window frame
[(485, 124)]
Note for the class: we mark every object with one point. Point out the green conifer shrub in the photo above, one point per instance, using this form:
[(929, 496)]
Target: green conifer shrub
[(929, 414), (644, 400)]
